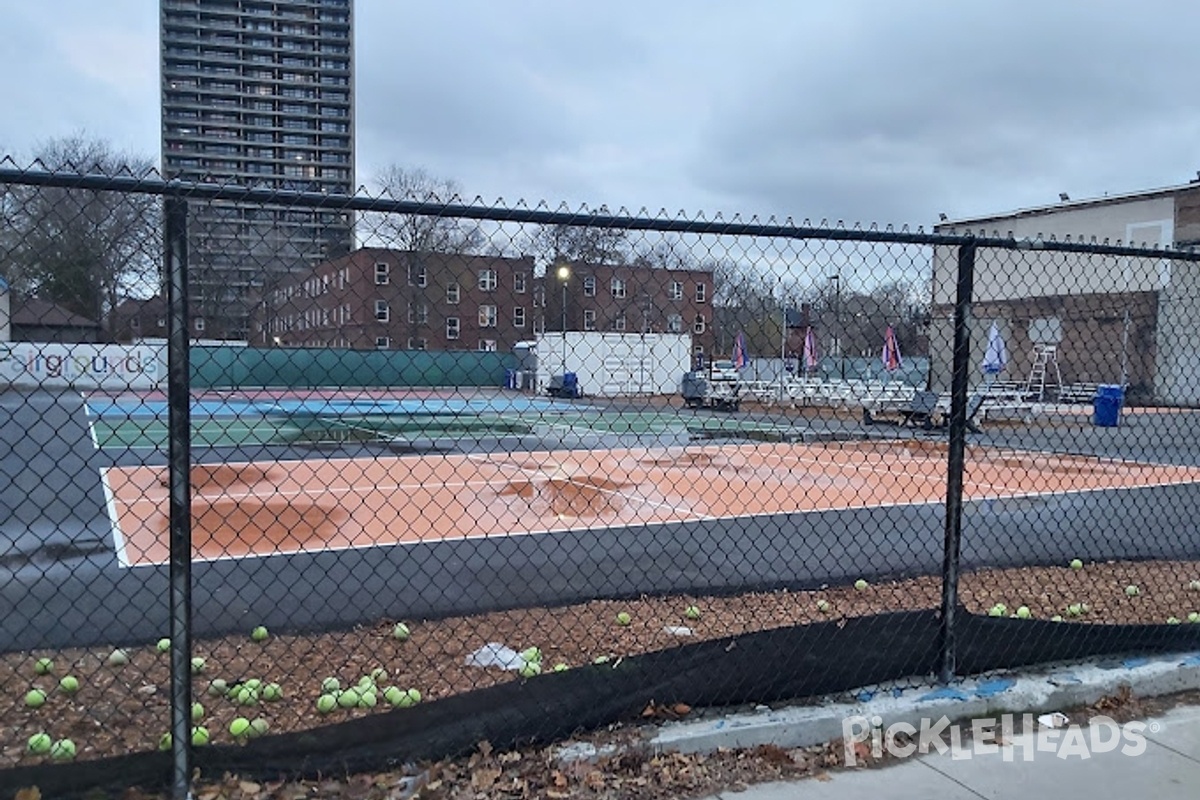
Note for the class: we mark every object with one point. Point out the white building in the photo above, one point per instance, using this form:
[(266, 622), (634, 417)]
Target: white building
[(1094, 319)]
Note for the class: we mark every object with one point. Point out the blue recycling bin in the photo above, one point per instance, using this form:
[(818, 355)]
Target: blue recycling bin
[(570, 384), (1107, 406), (510, 379)]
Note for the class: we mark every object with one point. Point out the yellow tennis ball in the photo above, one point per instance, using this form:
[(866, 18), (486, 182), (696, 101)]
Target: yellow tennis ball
[(39, 744), (62, 750)]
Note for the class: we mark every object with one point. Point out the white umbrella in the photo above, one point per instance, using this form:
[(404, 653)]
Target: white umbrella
[(995, 357)]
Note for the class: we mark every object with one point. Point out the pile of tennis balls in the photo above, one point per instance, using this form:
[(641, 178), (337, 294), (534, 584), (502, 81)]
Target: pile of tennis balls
[(365, 694), (41, 743)]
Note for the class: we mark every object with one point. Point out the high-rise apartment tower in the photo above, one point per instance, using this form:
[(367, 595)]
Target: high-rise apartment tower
[(257, 93)]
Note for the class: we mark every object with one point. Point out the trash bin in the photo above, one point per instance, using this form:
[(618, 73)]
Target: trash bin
[(1107, 405), (570, 385), (510, 379)]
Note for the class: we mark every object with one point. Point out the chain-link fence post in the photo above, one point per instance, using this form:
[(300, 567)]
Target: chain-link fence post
[(179, 456), (956, 456)]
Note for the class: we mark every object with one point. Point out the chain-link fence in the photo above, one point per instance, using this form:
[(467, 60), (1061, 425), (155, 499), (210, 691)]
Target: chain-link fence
[(297, 483)]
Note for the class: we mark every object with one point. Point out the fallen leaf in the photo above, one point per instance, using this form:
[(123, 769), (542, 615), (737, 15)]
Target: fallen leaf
[(249, 788), (594, 779), (485, 748), (485, 777), (29, 793), (681, 709), (824, 777)]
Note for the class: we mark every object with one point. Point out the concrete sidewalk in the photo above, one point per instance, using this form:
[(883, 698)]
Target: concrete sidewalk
[(1168, 768)]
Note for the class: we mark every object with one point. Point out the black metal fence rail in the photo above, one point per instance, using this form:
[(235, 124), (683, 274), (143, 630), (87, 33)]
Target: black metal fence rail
[(310, 535)]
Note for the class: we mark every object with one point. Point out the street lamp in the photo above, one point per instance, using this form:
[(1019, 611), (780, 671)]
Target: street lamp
[(837, 316), (564, 273)]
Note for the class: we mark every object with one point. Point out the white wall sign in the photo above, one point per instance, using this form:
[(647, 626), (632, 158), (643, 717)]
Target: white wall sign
[(35, 365)]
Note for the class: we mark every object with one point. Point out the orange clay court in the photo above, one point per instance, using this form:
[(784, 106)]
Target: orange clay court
[(261, 509)]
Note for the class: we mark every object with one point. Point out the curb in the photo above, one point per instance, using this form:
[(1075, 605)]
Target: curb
[(1041, 690)]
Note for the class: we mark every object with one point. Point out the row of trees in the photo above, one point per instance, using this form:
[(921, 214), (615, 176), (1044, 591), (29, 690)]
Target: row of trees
[(86, 250)]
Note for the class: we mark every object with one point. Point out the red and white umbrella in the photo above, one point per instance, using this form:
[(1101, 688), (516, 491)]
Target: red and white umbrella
[(891, 358), (810, 350)]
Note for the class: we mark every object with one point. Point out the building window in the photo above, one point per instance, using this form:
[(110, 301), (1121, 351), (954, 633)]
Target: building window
[(519, 282), (416, 275), (487, 316), (345, 313), (698, 350), (619, 322), (539, 325), (701, 292), (700, 324), (382, 342), (676, 292), (674, 323), (487, 345), (617, 287), (453, 293), (418, 313), (381, 274), (589, 286), (382, 314), (135, 324), (487, 280), (589, 320), (452, 327), (199, 324), (539, 297), (418, 344), (518, 317)]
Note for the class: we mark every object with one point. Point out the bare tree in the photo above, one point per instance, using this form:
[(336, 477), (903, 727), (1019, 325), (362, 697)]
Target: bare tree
[(421, 233), (578, 243), (80, 248)]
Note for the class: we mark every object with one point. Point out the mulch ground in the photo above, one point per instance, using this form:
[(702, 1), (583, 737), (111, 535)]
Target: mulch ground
[(122, 709)]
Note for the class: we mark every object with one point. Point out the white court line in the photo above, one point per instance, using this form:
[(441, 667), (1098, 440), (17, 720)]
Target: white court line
[(399, 487), (110, 504), (882, 470), (91, 422), (533, 532), (647, 524)]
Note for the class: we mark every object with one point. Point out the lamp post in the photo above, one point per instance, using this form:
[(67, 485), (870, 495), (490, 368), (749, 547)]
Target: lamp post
[(837, 317), (564, 273)]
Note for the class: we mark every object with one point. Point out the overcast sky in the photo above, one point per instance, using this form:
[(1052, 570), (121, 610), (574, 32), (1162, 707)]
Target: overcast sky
[(870, 111)]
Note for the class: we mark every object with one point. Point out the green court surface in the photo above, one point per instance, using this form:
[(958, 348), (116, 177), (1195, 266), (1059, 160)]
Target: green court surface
[(125, 433)]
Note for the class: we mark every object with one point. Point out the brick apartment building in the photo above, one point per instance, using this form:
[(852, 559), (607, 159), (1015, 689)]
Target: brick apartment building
[(628, 299), (377, 298)]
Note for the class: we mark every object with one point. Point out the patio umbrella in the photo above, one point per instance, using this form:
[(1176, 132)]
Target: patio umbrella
[(995, 357), (891, 351), (741, 356), (810, 351)]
